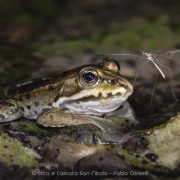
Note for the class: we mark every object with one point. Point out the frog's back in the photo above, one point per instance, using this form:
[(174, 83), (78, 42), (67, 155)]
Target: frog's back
[(35, 85), (35, 96)]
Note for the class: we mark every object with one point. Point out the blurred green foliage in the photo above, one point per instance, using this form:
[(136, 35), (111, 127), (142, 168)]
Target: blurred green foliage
[(134, 35), (59, 27), (100, 25)]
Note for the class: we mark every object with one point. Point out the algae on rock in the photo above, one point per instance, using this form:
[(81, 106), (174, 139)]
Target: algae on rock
[(13, 152), (156, 149), (165, 141)]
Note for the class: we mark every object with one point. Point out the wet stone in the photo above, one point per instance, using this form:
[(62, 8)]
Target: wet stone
[(151, 156)]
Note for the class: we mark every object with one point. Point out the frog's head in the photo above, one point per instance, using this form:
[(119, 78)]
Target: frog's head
[(94, 89)]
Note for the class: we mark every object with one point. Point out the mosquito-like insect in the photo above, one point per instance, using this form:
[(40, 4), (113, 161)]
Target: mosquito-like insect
[(153, 58)]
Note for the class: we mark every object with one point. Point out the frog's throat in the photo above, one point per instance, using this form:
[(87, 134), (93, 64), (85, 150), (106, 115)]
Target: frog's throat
[(121, 91)]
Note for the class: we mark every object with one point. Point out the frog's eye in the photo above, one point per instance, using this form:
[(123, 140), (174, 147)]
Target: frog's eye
[(89, 77)]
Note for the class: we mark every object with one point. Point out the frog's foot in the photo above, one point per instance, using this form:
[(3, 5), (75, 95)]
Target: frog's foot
[(9, 110)]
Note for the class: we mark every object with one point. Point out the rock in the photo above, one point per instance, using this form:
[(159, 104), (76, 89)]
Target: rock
[(67, 151), (165, 142), (156, 149), (102, 161), (13, 152)]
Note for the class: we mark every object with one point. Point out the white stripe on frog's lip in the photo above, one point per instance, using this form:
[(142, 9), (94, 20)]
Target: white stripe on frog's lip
[(89, 92), (95, 106)]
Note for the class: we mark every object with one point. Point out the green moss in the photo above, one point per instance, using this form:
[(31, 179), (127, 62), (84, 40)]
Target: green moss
[(32, 127), (162, 142), (139, 161), (13, 152)]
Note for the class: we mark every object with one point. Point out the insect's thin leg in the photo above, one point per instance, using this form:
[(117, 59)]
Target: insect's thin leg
[(153, 91), (137, 72), (136, 75), (172, 90)]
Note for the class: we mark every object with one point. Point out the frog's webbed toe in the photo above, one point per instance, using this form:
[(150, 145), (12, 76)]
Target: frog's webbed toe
[(9, 110)]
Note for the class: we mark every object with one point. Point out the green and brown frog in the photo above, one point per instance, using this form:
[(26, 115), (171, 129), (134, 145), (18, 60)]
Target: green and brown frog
[(86, 91)]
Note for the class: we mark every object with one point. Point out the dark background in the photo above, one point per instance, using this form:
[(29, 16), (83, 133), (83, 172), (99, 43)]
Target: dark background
[(37, 37)]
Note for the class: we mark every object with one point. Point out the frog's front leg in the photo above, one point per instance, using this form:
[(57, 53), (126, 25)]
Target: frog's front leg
[(58, 118), (61, 118), (9, 110)]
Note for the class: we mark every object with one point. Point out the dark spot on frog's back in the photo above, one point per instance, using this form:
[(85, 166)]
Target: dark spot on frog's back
[(27, 96), (114, 81), (36, 103), (49, 104), (109, 94), (50, 88), (20, 98), (28, 106), (123, 85)]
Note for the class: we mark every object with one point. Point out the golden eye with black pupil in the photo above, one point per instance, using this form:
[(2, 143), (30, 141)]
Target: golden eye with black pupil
[(89, 77)]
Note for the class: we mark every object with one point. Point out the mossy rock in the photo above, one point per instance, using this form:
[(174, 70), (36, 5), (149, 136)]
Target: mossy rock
[(156, 149), (33, 127), (13, 152)]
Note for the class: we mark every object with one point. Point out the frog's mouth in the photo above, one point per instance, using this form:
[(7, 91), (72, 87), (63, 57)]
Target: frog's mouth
[(94, 102)]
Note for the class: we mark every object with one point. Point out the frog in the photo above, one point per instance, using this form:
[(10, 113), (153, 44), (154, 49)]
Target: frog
[(92, 91)]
